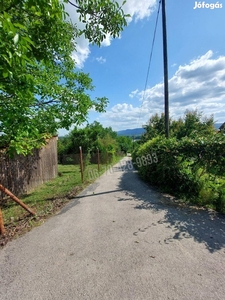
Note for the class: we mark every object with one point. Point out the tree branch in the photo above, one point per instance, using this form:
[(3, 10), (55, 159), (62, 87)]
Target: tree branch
[(46, 102), (13, 5)]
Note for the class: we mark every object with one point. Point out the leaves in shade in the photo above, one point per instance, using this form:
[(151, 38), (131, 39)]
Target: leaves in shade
[(40, 88)]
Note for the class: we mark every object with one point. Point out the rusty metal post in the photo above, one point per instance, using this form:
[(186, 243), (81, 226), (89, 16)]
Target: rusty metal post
[(14, 198), (81, 165), (2, 228)]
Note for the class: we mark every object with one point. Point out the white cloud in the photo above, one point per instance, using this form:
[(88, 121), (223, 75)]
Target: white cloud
[(137, 9), (82, 45), (107, 41), (197, 85), (82, 52), (134, 93), (101, 60), (124, 116)]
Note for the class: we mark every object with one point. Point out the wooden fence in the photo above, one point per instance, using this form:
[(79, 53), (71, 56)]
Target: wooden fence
[(23, 173)]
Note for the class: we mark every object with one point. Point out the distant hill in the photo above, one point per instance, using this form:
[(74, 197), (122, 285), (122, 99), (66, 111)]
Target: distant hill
[(139, 131), (217, 125), (131, 132)]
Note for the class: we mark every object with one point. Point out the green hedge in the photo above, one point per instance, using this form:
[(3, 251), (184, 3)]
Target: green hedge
[(191, 168)]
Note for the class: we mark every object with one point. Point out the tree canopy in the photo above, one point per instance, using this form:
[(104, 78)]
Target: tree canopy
[(40, 88), (191, 125), (92, 137)]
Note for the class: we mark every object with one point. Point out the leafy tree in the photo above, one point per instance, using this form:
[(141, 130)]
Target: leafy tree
[(176, 126), (125, 143), (108, 144), (79, 137), (101, 17), (94, 136), (40, 91), (95, 131), (155, 127), (63, 145), (193, 125)]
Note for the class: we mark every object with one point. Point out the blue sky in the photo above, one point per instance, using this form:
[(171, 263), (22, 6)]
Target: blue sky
[(196, 64)]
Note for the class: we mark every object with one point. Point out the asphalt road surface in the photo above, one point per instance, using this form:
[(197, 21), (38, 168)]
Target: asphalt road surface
[(119, 239)]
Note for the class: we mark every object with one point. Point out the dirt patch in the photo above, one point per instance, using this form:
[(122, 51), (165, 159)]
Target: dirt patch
[(18, 227)]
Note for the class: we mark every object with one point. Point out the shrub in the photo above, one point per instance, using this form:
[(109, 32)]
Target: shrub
[(190, 167)]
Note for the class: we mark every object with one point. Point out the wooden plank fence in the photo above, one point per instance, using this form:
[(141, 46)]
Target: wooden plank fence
[(23, 173)]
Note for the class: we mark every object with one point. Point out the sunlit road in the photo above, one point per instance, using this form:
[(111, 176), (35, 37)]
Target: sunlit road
[(118, 240)]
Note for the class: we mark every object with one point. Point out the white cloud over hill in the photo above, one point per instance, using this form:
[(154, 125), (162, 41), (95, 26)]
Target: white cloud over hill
[(199, 84)]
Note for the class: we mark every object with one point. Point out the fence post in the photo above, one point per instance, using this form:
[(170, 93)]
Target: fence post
[(98, 161), (13, 197), (81, 165), (2, 228)]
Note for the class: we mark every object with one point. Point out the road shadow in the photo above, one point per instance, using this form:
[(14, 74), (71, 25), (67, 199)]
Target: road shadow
[(204, 226), (96, 194)]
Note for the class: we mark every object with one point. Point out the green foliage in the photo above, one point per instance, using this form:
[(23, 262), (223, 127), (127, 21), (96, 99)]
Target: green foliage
[(192, 124), (125, 143), (167, 172), (193, 168), (101, 17), (94, 136), (40, 90), (108, 144), (155, 127)]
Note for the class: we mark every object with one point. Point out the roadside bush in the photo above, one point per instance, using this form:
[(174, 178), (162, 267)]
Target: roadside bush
[(193, 168), (170, 171), (219, 202)]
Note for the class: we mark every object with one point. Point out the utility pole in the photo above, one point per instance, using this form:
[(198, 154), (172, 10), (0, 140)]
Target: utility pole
[(165, 61)]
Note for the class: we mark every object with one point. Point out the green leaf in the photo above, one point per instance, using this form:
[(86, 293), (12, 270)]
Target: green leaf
[(5, 74), (36, 57)]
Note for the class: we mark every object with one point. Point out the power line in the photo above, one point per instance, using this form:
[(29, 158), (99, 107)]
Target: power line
[(151, 53), (153, 42)]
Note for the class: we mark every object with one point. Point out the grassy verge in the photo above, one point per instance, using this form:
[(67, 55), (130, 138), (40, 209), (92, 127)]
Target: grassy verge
[(47, 199)]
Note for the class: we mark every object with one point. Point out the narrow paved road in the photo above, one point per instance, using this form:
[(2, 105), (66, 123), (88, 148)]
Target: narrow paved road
[(118, 240)]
